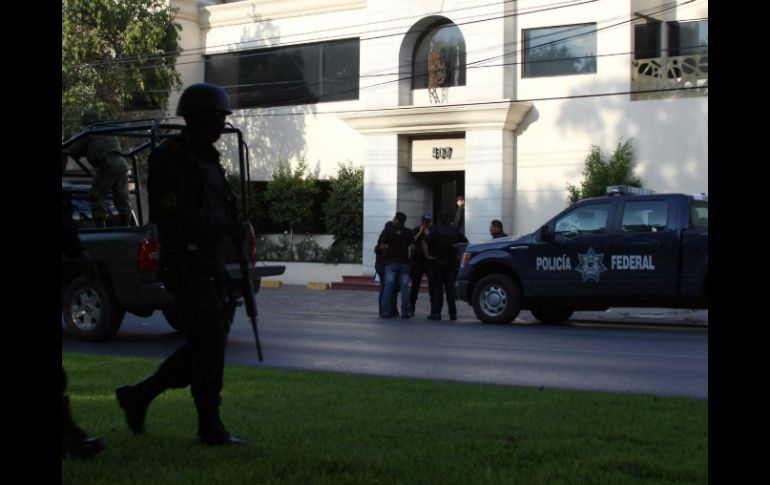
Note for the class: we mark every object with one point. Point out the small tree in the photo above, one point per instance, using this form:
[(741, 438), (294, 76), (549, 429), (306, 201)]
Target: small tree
[(117, 55), (289, 196), (600, 172), (344, 210)]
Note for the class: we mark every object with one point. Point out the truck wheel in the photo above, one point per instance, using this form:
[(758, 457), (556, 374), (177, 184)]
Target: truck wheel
[(175, 318), (496, 299), (90, 311), (551, 315)]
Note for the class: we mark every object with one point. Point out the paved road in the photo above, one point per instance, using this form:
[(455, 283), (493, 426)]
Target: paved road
[(625, 350)]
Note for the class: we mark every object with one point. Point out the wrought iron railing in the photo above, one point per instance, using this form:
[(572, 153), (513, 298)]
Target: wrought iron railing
[(670, 77)]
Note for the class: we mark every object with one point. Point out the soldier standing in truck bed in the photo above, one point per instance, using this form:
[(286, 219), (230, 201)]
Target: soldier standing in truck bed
[(104, 154)]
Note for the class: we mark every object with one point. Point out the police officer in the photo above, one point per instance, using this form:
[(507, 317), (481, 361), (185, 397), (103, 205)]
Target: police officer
[(104, 154), (418, 265), (496, 229), (195, 215), (460, 214), (440, 247)]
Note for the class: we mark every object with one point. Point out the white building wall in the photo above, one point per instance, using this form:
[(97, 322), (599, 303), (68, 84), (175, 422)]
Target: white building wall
[(670, 137), (520, 176)]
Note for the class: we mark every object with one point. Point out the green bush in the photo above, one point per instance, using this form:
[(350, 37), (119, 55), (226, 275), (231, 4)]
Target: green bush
[(601, 171), (309, 250)]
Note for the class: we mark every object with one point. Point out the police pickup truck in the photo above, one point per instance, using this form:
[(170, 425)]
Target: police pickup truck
[(632, 248), (128, 256)]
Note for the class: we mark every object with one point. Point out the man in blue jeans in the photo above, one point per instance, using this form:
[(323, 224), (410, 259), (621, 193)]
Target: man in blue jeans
[(399, 242)]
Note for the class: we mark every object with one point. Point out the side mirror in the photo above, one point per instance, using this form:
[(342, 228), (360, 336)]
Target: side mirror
[(546, 235)]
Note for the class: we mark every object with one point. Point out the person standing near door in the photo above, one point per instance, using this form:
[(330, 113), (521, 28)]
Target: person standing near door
[(460, 214)]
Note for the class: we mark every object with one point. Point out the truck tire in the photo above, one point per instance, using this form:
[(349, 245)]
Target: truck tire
[(90, 311), (496, 299), (174, 318), (551, 315)]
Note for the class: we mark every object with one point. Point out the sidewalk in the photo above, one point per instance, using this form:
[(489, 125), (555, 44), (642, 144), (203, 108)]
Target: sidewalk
[(655, 316), (342, 302)]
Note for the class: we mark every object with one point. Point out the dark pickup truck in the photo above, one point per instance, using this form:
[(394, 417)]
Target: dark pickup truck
[(127, 256), (632, 248)]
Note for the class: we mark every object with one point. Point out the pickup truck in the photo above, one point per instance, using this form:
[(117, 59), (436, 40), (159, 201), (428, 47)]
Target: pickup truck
[(632, 248), (127, 256)]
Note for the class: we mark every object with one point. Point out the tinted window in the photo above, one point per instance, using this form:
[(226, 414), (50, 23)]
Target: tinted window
[(699, 215), (645, 216), (647, 41), (587, 219), (686, 38), (304, 74), (556, 51)]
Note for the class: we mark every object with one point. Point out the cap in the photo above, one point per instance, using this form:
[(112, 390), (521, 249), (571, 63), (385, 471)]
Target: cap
[(427, 217), (460, 197)]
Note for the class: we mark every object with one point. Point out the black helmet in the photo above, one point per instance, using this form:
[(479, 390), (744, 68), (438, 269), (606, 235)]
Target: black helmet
[(203, 95), (89, 118)]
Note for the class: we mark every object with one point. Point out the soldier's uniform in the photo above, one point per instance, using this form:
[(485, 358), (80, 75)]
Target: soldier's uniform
[(104, 154), (442, 243), (191, 204)]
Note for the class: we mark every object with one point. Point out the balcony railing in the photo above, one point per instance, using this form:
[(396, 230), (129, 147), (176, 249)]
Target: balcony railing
[(680, 76)]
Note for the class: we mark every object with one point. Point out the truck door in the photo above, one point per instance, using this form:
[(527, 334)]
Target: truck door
[(643, 257), (575, 264)]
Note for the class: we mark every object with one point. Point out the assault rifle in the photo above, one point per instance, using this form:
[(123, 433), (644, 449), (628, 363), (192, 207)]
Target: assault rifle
[(247, 286)]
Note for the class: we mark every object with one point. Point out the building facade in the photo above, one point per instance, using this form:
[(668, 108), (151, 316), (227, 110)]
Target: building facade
[(499, 101)]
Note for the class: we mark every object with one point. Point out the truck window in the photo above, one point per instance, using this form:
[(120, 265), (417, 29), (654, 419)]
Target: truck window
[(699, 215), (645, 216), (587, 219)]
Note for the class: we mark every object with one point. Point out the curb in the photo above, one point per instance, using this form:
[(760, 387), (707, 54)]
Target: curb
[(318, 286)]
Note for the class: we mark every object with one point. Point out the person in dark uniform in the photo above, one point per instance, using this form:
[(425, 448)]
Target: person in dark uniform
[(418, 265), (103, 152), (460, 214), (381, 254), (75, 441), (399, 242), (496, 229), (195, 214), (440, 246)]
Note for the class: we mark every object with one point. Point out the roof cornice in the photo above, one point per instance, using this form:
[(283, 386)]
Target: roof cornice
[(440, 119), (249, 11)]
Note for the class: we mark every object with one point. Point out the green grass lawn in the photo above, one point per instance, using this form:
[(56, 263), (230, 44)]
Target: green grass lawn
[(308, 428)]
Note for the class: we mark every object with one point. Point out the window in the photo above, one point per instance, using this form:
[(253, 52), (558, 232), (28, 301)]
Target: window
[(647, 41), (557, 51), (440, 56), (688, 38), (645, 216), (304, 74), (699, 215), (587, 219)]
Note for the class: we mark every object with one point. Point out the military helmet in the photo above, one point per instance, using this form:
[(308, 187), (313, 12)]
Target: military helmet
[(202, 95), (89, 118)]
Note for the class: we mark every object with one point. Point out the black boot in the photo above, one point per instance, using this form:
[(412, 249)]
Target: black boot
[(136, 399), (211, 431), (74, 441)]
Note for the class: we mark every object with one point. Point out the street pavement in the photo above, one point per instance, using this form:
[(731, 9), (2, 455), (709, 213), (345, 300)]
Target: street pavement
[(640, 350), (362, 302)]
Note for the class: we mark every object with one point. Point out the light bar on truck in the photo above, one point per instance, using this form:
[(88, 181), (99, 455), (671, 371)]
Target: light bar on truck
[(627, 190)]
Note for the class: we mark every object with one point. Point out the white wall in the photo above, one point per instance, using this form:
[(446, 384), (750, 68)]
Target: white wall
[(304, 273), (670, 137), (531, 167)]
